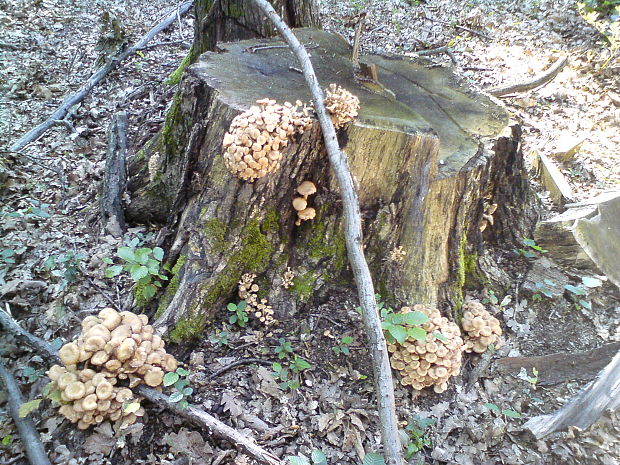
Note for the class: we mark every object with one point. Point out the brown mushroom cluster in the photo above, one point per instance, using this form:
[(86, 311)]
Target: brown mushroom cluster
[(433, 361), (113, 349), (482, 328), (300, 204), (487, 216), (253, 146), (341, 104), (259, 308)]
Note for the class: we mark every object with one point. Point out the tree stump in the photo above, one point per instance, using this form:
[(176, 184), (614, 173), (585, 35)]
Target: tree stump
[(429, 158)]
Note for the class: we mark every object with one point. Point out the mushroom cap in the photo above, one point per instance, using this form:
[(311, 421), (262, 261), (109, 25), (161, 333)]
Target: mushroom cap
[(55, 372), (110, 318), (299, 203), (154, 377), (306, 214), (123, 395), (66, 378), (69, 353), (126, 349), (89, 402), (306, 188), (104, 390), (75, 390)]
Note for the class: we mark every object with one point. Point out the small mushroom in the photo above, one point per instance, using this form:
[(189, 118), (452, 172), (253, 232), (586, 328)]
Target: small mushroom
[(154, 377), (110, 318), (306, 188), (75, 390), (89, 402), (299, 203), (306, 214), (69, 353), (55, 372), (104, 390)]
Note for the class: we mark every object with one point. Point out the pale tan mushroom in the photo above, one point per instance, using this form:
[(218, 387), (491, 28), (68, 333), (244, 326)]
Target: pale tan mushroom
[(299, 203), (55, 372), (104, 390), (75, 390), (304, 215), (123, 395), (66, 378), (154, 377), (69, 353), (110, 318), (306, 188), (89, 402)]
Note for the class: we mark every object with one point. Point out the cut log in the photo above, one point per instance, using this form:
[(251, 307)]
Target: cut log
[(427, 155), (115, 176)]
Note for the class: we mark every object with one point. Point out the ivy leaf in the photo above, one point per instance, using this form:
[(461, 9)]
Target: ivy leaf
[(417, 333), (373, 459), (492, 407), (170, 378), (158, 253), (175, 397), (27, 407), (511, 413)]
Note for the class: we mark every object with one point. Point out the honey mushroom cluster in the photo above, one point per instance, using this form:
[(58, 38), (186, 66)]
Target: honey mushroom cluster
[(248, 292), (433, 361), (112, 346), (253, 145), (487, 216), (300, 204), (482, 328), (341, 104)]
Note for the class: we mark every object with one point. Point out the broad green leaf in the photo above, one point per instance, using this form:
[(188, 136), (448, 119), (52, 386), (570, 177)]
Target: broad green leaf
[(142, 255), (6, 440), (153, 266), (302, 364), (293, 384), (182, 371), (113, 271), (180, 384), (170, 378), (373, 459), (414, 318), (511, 413), (296, 460), (591, 282), (417, 333), (493, 407), (242, 305), (347, 340), (577, 290), (55, 396), (132, 407), (175, 397), (107, 260), (149, 291), (126, 253), (318, 457), (585, 304), (277, 367), (158, 253), (188, 391), (231, 307), (138, 272), (27, 407), (441, 337), (398, 332)]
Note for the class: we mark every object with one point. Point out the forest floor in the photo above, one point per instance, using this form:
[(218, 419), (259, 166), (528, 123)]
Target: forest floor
[(55, 275)]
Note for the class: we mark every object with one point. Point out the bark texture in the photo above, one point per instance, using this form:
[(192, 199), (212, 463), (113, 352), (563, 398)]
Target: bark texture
[(426, 153)]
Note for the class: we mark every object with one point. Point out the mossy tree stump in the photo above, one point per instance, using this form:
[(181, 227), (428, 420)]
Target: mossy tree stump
[(427, 155)]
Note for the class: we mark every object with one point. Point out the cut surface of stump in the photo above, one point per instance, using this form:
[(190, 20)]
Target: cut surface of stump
[(427, 155)]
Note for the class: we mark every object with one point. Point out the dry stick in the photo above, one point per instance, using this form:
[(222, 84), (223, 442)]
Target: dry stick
[(10, 325), (245, 361), (537, 81), (97, 77), (353, 236), (193, 414), (218, 428), (25, 426)]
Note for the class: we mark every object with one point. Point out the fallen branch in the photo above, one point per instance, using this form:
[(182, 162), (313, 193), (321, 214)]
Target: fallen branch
[(10, 325), (95, 79), (244, 361), (598, 396), (537, 81), (25, 426), (222, 430), (353, 237), (192, 414), (115, 176)]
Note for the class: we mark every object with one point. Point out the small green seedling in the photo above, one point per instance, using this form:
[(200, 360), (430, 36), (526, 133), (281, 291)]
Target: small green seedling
[(285, 349), (317, 457), (219, 337), (542, 290), (532, 380), (506, 412), (65, 266), (526, 252), (492, 298), (343, 346), (239, 315), (179, 382), (400, 326), (415, 435)]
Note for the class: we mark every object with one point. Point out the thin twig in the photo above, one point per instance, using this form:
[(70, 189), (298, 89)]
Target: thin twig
[(536, 81), (96, 78), (384, 386), (10, 325), (25, 426), (244, 361), (103, 293), (255, 48), (184, 44)]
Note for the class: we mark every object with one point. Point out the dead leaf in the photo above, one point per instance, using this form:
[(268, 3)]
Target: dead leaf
[(190, 443), (102, 440), (231, 404), (267, 384)]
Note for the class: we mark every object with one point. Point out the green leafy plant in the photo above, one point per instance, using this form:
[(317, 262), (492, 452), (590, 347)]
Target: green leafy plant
[(219, 337), (65, 266), (506, 412), (343, 346), (144, 267), (285, 349), (492, 298), (239, 315), (317, 457), (373, 458), (531, 244), (32, 374), (6, 440), (400, 326), (180, 389), (578, 294), (542, 290), (36, 210), (415, 435), (289, 374)]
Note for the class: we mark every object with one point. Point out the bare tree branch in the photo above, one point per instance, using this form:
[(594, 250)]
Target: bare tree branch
[(11, 326), (536, 81), (95, 79), (353, 237), (25, 426)]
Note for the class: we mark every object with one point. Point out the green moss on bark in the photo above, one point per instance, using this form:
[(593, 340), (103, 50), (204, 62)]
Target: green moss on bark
[(303, 285), (189, 328), (172, 287)]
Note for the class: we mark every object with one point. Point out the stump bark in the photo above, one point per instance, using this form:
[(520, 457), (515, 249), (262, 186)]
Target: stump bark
[(428, 156)]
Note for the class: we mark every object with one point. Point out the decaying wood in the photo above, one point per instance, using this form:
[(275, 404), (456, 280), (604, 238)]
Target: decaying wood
[(115, 176), (96, 78), (382, 370), (11, 326), (216, 427), (557, 368), (584, 409), (533, 83), (25, 426), (553, 180), (193, 414)]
